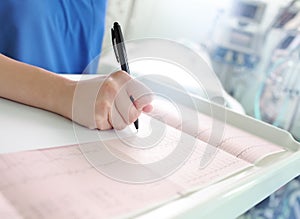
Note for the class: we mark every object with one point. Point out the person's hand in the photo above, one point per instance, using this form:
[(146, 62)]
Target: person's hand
[(104, 102)]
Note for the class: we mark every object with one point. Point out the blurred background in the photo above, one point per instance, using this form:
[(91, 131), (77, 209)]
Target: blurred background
[(252, 45)]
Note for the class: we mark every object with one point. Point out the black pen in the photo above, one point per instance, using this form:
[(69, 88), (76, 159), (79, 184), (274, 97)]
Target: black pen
[(121, 55)]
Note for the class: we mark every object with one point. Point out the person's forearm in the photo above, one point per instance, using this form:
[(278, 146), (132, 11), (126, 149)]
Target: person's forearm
[(35, 86), (101, 102)]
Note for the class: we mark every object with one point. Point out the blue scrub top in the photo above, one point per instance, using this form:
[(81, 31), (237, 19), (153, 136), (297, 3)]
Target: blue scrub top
[(62, 36)]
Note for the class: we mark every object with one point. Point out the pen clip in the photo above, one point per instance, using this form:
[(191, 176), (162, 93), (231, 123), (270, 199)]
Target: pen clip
[(113, 38)]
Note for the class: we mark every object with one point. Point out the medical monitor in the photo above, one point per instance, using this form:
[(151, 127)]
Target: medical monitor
[(248, 11)]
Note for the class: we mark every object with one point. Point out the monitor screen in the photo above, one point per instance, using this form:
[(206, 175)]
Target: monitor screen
[(286, 42), (247, 10)]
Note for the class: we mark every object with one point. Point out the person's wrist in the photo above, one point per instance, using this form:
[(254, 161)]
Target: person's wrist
[(65, 98)]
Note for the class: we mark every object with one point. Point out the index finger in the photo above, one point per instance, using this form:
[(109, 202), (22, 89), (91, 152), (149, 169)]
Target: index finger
[(141, 94)]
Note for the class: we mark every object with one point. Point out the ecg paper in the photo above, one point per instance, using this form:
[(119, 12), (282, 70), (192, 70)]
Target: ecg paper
[(234, 140), (61, 183)]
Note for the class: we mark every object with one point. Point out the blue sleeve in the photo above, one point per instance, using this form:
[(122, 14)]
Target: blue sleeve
[(62, 36)]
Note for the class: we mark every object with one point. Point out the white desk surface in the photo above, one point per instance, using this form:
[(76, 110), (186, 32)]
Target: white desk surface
[(28, 128), (23, 128)]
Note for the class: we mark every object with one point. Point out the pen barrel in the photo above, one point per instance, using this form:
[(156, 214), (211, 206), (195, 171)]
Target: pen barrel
[(125, 67), (123, 57)]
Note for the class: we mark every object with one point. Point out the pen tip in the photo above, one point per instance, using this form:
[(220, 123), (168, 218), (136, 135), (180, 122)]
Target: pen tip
[(136, 125)]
